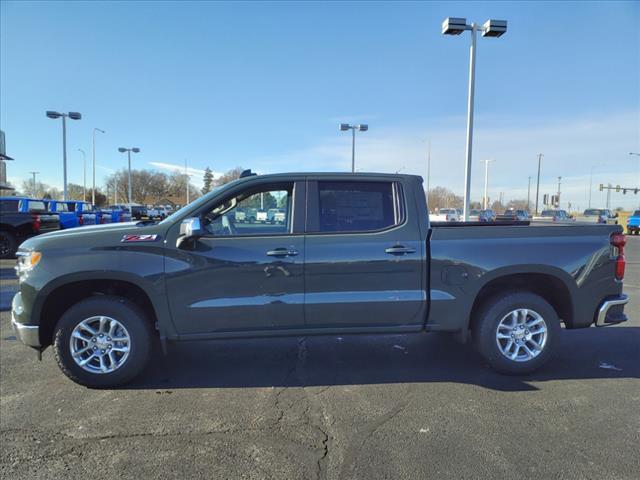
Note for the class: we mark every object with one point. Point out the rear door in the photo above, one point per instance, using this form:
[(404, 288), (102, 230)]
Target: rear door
[(364, 255)]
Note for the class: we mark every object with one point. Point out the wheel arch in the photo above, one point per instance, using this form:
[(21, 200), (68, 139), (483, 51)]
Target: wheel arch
[(58, 296), (549, 285)]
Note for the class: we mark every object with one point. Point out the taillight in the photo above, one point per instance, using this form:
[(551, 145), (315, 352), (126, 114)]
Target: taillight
[(618, 240), (102, 219), (36, 223), (81, 220)]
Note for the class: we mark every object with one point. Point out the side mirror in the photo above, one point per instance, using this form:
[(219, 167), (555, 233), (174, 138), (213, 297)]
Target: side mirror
[(190, 229)]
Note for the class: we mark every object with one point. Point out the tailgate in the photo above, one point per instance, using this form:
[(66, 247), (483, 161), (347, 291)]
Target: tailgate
[(49, 222)]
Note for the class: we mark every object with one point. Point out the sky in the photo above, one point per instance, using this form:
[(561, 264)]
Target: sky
[(264, 85)]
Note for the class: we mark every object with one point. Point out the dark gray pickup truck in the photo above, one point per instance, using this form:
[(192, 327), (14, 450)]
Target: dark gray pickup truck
[(355, 254)]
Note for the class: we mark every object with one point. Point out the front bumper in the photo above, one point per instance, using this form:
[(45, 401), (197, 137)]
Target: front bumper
[(611, 310), (27, 334)]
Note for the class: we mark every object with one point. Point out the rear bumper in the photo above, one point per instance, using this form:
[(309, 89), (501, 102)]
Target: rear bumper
[(611, 310)]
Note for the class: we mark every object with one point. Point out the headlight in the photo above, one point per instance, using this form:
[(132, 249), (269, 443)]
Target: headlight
[(27, 260)]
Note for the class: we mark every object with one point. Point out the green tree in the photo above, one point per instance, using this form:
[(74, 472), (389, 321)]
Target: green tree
[(208, 180)]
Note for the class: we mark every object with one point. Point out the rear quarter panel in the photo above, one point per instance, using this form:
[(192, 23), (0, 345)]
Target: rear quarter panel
[(465, 259)]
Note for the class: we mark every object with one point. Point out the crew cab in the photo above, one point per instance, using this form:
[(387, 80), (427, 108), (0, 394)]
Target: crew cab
[(553, 216), (21, 218), (356, 254)]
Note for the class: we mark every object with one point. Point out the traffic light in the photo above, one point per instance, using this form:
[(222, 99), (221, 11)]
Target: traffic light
[(545, 199), (617, 188), (601, 187)]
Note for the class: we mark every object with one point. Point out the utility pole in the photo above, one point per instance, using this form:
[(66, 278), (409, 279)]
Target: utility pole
[(559, 181), (540, 155), (34, 182), (609, 187), (529, 195), (84, 174)]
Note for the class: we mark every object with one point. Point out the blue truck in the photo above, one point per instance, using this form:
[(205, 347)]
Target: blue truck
[(68, 217), (633, 223)]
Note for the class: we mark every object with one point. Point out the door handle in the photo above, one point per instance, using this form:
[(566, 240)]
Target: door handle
[(399, 250), (282, 252)]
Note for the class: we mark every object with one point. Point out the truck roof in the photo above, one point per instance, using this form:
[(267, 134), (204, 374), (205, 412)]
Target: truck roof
[(331, 175)]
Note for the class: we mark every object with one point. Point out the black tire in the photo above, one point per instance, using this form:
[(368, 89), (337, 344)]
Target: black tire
[(8, 245), (125, 312), (485, 326)]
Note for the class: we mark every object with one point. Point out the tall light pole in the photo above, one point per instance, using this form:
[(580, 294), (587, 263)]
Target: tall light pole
[(84, 174), (93, 186), (187, 177), (72, 116), (491, 28), (34, 182), (129, 150), (540, 155), (362, 128), (529, 195), (486, 182)]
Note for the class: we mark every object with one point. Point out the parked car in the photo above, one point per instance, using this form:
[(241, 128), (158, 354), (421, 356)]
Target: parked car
[(633, 223), (66, 215), (120, 213), (159, 212), (476, 215), (275, 215), (446, 215), (598, 215), (22, 218), (138, 212), (553, 216), (513, 215), (359, 256), (261, 216)]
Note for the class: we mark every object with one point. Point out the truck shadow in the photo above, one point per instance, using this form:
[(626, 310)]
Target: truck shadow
[(612, 352)]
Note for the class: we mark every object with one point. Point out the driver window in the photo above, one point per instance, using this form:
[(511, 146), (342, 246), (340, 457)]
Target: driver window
[(266, 211)]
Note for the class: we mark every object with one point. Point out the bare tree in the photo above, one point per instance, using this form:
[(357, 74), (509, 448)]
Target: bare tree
[(441, 197)]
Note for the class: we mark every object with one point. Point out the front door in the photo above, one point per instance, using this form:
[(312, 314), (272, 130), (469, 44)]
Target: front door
[(246, 273), (364, 256)]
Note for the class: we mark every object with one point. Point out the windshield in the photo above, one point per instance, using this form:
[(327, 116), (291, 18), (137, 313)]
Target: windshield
[(636, 213), (593, 212)]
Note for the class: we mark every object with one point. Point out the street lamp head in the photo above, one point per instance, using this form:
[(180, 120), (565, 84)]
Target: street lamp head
[(99, 130), (494, 28), (75, 115), (344, 127), (52, 114), (135, 150), (454, 26), (362, 128), (122, 149)]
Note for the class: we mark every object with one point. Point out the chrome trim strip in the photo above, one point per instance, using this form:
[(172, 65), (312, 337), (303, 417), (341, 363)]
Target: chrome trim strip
[(622, 299)]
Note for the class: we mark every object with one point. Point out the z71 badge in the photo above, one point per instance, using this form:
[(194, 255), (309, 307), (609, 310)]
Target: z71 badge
[(139, 238)]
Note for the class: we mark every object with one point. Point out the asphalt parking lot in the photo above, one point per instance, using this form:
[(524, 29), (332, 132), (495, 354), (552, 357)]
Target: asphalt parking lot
[(369, 407)]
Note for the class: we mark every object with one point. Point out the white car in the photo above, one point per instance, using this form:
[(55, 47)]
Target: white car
[(445, 215), (159, 212)]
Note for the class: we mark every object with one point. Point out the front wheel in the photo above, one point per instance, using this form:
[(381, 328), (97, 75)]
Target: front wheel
[(516, 333), (103, 342)]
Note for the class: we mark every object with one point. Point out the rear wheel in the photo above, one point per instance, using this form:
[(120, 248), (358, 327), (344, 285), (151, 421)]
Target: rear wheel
[(8, 245), (103, 341), (516, 333)]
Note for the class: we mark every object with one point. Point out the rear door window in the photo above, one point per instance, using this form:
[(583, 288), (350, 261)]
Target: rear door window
[(356, 206)]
